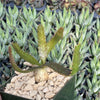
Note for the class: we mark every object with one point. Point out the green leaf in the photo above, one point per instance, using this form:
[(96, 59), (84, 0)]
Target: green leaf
[(14, 65), (55, 40), (76, 59), (25, 55), (81, 17), (77, 30), (80, 79), (98, 32), (89, 84), (98, 23), (25, 12), (67, 92), (86, 13), (42, 43), (1, 10), (4, 25), (94, 79), (59, 68)]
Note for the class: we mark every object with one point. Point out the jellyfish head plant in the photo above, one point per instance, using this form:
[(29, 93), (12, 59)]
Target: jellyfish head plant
[(44, 49)]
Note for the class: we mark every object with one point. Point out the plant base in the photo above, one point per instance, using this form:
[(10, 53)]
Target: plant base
[(25, 85)]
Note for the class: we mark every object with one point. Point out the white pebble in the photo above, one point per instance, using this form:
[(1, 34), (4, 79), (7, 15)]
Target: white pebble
[(50, 82), (45, 90), (40, 88), (38, 97), (49, 95), (33, 93), (28, 87), (41, 94), (18, 85), (31, 81), (42, 83), (14, 79), (50, 88)]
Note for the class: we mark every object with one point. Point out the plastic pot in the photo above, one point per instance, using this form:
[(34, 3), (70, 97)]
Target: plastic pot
[(11, 4), (66, 93), (42, 8), (37, 9), (6, 96)]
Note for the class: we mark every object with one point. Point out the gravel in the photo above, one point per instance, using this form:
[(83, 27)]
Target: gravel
[(24, 85)]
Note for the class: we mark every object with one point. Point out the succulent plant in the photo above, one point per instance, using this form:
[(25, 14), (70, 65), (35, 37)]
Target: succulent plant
[(44, 49), (77, 29), (81, 33), (93, 81), (2, 11)]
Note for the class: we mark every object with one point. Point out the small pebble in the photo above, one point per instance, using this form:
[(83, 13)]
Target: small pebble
[(50, 88), (49, 95), (57, 83), (25, 85), (14, 79), (42, 83), (40, 88), (41, 94), (45, 90), (60, 78), (51, 82), (18, 85), (28, 87), (17, 72), (38, 97), (35, 87), (33, 93), (31, 81)]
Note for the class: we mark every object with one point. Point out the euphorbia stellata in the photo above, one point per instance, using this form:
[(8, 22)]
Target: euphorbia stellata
[(44, 49)]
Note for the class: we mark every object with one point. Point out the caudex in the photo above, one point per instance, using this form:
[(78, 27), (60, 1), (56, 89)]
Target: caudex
[(44, 49)]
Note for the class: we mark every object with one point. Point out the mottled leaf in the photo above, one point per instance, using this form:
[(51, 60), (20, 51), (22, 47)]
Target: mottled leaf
[(25, 55), (59, 68), (14, 65), (55, 39), (76, 59), (42, 43)]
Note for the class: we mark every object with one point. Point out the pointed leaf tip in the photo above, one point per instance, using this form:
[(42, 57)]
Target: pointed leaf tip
[(12, 61), (55, 39), (60, 32), (25, 55), (14, 65), (76, 59), (42, 47), (40, 27)]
